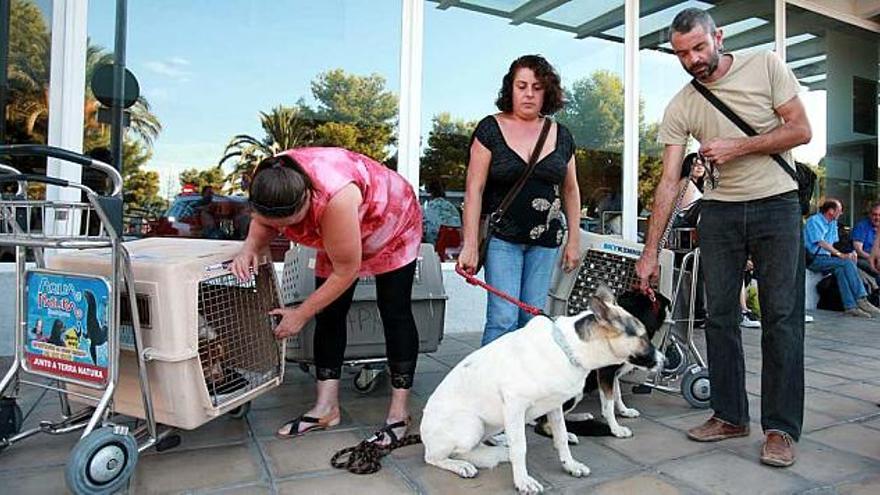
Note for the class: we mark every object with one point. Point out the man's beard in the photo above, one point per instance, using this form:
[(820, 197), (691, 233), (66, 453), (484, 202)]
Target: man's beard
[(711, 65)]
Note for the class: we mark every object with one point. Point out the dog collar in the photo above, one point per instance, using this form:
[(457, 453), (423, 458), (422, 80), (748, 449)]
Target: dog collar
[(563, 344)]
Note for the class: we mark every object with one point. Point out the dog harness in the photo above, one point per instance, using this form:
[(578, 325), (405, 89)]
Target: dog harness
[(559, 338)]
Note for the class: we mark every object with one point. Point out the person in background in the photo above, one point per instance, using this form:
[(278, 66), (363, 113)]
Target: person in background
[(364, 219), (864, 236), (523, 248), (820, 234), (438, 212)]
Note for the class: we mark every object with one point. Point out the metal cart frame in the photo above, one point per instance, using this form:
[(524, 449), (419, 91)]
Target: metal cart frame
[(104, 458)]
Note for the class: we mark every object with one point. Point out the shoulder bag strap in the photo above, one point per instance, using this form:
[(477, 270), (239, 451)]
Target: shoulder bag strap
[(739, 122), (530, 167)]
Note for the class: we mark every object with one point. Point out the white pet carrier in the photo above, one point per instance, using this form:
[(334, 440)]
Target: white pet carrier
[(208, 336)]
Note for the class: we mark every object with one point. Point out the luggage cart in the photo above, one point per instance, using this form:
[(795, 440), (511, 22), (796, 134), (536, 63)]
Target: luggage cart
[(208, 351), (365, 351), (105, 456), (610, 261)]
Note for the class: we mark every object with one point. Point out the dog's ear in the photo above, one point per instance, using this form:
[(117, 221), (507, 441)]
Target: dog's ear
[(602, 299), (583, 326)]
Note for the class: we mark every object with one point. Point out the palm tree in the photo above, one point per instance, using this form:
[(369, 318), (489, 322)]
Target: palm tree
[(285, 128)]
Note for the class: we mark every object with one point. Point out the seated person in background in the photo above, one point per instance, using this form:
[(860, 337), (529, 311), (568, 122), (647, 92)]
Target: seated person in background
[(864, 236), (438, 211), (820, 234), (204, 207)]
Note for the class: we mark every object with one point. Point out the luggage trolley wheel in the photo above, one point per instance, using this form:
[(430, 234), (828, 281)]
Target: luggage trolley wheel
[(676, 358), (695, 387), (12, 419), (102, 461), (367, 380), (241, 411)]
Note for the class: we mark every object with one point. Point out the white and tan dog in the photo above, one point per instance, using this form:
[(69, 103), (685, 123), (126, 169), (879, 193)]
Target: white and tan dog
[(523, 375)]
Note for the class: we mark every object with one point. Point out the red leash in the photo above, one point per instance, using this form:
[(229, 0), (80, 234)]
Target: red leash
[(471, 279)]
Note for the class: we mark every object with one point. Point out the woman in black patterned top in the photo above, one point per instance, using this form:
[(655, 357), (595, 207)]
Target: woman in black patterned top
[(524, 246)]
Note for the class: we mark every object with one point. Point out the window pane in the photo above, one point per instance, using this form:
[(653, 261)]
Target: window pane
[(836, 63), (462, 82), (242, 80)]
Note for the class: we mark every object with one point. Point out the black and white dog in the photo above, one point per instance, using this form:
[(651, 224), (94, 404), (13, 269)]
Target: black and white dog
[(521, 376), (651, 313)]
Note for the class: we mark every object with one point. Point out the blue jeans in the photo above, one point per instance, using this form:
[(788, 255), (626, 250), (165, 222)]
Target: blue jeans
[(524, 272), (769, 230), (848, 281)]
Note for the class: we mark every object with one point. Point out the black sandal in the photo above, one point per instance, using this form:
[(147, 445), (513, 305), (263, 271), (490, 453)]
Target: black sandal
[(316, 424), (388, 431)]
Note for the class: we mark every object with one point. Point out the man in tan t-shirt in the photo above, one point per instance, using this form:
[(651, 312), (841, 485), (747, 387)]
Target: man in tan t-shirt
[(750, 208)]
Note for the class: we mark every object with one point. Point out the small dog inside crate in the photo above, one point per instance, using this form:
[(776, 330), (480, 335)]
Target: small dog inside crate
[(220, 376)]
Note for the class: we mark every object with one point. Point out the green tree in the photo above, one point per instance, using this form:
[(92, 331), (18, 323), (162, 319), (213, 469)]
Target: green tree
[(446, 156), (212, 176), (284, 127), (28, 74), (357, 112)]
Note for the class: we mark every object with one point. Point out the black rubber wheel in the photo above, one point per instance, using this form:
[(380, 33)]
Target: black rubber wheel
[(102, 462), (12, 419), (695, 387), (241, 411), (167, 443), (676, 360), (367, 380)]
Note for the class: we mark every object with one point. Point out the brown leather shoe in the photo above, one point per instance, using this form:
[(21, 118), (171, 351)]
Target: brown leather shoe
[(715, 429), (778, 449)]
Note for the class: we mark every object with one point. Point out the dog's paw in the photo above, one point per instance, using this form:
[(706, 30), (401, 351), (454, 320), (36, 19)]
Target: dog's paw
[(528, 485), (464, 469), (628, 412), (575, 468), (578, 417), (621, 432), (573, 439)]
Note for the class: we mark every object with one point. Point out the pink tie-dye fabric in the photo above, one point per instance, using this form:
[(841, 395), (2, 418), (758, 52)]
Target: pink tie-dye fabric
[(391, 220)]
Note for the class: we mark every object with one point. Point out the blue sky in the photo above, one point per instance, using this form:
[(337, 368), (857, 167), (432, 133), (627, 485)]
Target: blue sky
[(208, 67)]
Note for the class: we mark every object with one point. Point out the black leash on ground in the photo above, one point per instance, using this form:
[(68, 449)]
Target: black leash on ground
[(365, 457)]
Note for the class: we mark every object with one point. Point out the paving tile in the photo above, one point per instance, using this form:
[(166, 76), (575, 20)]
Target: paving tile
[(426, 383), (653, 443), (723, 472), (176, 471), (381, 483), (836, 405), (40, 450), (427, 364), (823, 381), (36, 481), (844, 368), (454, 346), (860, 390), (249, 489), (654, 405), (451, 359), (851, 438), (868, 486), (308, 453), (641, 483), (814, 421), (219, 432), (604, 463), (818, 463), (435, 481)]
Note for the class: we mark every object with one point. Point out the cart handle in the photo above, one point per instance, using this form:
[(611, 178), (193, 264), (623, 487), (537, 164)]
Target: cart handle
[(68, 156), (13, 170), (55, 181)]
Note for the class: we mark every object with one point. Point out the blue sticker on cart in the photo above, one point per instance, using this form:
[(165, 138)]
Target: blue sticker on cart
[(67, 325)]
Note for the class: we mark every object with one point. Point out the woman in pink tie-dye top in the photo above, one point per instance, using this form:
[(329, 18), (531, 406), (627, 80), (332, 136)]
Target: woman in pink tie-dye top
[(364, 219)]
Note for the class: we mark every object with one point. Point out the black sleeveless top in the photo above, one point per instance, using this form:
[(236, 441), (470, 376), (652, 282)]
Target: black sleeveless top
[(535, 215)]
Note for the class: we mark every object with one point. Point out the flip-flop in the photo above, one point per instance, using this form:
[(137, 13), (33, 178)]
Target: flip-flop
[(316, 424)]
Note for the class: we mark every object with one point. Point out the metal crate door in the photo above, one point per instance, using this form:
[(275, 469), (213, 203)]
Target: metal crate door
[(237, 347)]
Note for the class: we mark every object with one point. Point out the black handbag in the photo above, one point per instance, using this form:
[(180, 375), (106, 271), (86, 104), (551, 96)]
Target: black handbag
[(488, 223), (802, 174)]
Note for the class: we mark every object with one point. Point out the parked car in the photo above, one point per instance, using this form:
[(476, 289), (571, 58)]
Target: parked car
[(209, 216)]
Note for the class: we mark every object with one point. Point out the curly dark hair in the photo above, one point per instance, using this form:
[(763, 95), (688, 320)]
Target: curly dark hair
[(554, 96)]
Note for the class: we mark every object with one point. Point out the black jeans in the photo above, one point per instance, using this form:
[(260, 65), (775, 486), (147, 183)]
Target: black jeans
[(394, 298), (770, 231)]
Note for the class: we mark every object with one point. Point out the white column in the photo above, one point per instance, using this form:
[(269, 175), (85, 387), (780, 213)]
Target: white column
[(779, 27), (631, 122), (67, 80), (409, 145)]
